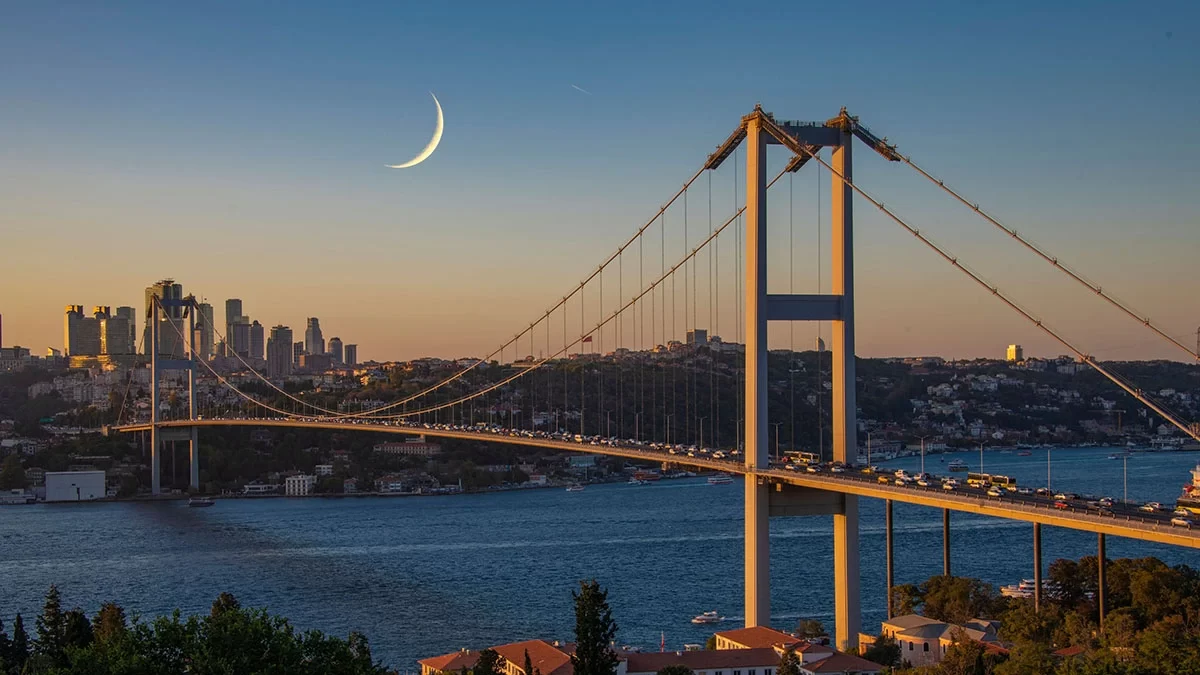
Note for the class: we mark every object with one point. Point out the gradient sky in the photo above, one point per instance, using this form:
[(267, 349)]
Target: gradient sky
[(240, 148)]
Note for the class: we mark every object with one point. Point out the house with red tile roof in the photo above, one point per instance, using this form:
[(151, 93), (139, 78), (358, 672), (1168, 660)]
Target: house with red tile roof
[(755, 637)]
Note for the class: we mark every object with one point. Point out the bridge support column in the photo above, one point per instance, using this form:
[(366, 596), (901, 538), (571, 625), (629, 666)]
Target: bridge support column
[(757, 553), (946, 542), (1101, 564), (847, 613), (891, 579), (155, 441), (193, 444), (1037, 567)]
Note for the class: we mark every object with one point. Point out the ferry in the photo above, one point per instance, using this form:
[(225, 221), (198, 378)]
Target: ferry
[(575, 488), (720, 479), (638, 481), (16, 496), (958, 465), (1190, 499), (198, 502), (708, 617), (1026, 588)]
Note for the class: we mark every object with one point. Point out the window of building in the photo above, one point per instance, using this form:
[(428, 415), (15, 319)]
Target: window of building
[(751, 672), (926, 646), (737, 672)]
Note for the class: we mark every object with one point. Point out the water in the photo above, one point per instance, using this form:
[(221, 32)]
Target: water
[(424, 576)]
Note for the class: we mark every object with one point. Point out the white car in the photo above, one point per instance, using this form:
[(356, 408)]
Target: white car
[(922, 482), (948, 485), (1150, 507), (837, 468), (995, 492), (1182, 522), (1024, 491)]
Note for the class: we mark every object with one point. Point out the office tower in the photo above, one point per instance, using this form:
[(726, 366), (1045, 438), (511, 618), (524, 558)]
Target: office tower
[(297, 350), (698, 336), (1015, 353), (335, 350), (114, 333), (256, 340), (233, 311), (351, 356), (314, 342), (239, 339), (130, 316), (206, 328), (81, 334), (279, 352), (171, 322)]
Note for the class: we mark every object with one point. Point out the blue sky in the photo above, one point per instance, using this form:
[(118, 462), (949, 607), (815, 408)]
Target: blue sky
[(239, 147)]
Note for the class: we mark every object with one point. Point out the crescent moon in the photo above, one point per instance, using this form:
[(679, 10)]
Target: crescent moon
[(433, 142)]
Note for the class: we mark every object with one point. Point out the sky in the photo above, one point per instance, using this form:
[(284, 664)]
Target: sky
[(240, 148)]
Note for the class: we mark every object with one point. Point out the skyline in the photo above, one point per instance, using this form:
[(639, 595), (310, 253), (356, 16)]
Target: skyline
[(258, 146)]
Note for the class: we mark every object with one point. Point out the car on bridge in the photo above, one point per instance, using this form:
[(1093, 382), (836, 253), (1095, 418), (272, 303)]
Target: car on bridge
[(1060, 504), (1151, 507), (1181, 521)]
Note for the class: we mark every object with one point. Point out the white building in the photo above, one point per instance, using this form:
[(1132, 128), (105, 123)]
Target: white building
[(74, 486), (324, 470), (260, 489), (924, 641), (299, 486)]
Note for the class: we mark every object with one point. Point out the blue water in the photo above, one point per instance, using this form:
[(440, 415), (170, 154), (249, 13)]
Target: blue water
[(424, 576)]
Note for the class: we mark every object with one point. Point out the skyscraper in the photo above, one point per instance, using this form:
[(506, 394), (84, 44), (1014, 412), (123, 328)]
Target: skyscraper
[(233, 310), (279, 352), (171, 324), (256, 340), (335, 350), (130, 316), (114, 332), (240, 336), (314, 342), (81, 334), (1015, 353), (297, 350), (351, 357), (205, 325)]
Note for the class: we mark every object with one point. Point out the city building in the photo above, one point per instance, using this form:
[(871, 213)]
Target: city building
[(924, 641), (171, 329), (698, 336), (299, 486), (323, 469), (335, 350), (314, 363), (417, 447), (279, 352), (1015, 354), (351, 355), (257, 341), (314, 342), (233, 312), (260, 489), (297, 352), (74, 486), (81, 334), (240, 337), (130, 316), (754, 638), (206, 328)]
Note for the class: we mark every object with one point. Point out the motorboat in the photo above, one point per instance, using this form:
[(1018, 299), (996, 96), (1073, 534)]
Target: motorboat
[(957, 465), (575, 488), (198, 502), (638, 481), (708, 617), (720, 479)]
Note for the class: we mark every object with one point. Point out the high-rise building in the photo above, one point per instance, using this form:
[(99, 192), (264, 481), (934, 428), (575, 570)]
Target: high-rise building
[(233, 311), (256, 340), (314, 342), (171, 323), (114, 333), (81, 334), (1015, 353), (206, 328), (335, 350), (297, 351), (279, 352), (240, 336), (698, 336), (130, 316), (351, 356)]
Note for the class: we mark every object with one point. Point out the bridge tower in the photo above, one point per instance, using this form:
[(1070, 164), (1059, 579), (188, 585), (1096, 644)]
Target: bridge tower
[(155, 316), (761, 501)]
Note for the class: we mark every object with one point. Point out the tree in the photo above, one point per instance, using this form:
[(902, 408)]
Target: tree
[(52, 628), (225, 602), (109, 623), (711, 643), (964, 656), (18, 651), (884, 651), (810, 628), (677, 669), (1027, 657), (77, 630), (957, 599), (906, 598), (12, 475), (594, 631), (488, 663), (789, 663)]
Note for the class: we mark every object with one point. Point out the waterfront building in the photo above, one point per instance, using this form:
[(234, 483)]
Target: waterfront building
[(335, 350), (299, 486), (74, 486), (1015, 354), (257, 343), (924, 641), (260, 489), (350, 357), (413, 448), (314, 342), (754, 638), (279, 352)]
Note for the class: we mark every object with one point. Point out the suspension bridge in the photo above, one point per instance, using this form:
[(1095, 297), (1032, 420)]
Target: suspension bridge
[(599, 362)]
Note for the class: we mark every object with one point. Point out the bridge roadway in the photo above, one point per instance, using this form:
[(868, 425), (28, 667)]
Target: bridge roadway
[(1145, 527)]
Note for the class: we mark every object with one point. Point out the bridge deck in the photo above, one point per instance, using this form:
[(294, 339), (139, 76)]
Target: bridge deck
[(1145, 529)]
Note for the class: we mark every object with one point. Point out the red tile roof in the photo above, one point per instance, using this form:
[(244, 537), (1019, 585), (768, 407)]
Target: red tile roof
[(758, 636), (452, 662), (1075, 650), (843, 663), (652, 662), (543, 656)]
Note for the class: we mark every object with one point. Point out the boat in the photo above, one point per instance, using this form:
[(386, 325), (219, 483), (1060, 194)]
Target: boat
[(575, 488), (1024, 453), (720, 479), (958, 465), (1026, 588), (17, 496), (1190, 499), (708, 617), (197, 502), (638, 481)]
